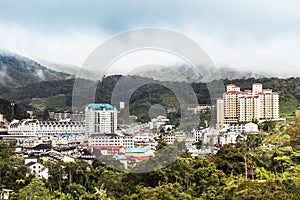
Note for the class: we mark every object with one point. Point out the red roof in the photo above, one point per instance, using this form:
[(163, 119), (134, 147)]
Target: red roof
[(137, 158), (230, 85), (233, 92), (257, 84)]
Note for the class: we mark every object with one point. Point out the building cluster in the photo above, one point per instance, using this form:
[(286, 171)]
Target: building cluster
[(159, 122), (95, 132), (213, 139), (239, 106), (66, 115), (99, 130)]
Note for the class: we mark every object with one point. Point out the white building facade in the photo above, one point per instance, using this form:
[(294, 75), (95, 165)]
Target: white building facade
[(34, 127), (111, 139), (158, 122), (245, 106), (100, 118)]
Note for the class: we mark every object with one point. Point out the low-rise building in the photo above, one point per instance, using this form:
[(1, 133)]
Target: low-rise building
[(229, 137), (110, 139), (36, 168), (250, 128), (34, 127), (106, 150), (158, 122), (138, 152)]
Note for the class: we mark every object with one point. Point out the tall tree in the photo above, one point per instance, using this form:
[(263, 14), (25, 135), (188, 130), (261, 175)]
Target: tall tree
[(36, 190)]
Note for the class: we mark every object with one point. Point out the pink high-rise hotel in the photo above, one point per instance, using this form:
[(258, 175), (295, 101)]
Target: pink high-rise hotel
[(238, 106)]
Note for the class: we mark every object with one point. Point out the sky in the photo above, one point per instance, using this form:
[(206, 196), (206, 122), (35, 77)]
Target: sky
[(256, 35)]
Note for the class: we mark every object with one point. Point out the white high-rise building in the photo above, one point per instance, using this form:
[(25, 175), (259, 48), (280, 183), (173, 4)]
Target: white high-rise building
[(244, 106), (100, 118)]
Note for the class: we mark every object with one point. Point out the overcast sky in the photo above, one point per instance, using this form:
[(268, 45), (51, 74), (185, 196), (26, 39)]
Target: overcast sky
[(259, 35)]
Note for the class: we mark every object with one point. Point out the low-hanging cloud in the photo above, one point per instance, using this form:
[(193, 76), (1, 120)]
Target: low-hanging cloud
[(250, 35)]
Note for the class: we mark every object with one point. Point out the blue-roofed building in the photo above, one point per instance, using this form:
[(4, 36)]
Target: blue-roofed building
[(146, 151), (100, 106), (100, 118)]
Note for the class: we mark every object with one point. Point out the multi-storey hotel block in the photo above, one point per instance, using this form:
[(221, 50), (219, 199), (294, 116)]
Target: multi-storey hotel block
[(238, 106), (101, 127), (100, 118), (34, 127)]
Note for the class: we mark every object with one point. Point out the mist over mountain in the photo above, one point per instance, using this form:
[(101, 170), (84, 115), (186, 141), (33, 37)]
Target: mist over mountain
[(39, 89), (17, 70), (60, 67), (74, 70), (185, 73), (231, 73)]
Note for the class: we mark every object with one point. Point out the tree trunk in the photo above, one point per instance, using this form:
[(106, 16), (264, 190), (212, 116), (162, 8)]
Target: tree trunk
[(246, 168)]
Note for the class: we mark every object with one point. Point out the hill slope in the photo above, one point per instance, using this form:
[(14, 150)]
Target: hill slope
[(16, 70)]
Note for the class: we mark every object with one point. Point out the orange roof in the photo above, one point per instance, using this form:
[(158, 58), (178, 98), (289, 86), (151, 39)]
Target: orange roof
[(137, 158)]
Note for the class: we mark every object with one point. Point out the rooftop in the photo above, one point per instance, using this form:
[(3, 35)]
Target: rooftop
[(105, 147), (100, 106), (137, 150)]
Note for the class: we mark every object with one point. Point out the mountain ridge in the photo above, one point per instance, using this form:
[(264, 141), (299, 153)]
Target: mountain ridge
[(17, 70)]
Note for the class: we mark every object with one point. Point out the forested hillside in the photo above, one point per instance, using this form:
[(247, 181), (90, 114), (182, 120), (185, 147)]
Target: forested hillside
[(18, 111), (57, 95), (16, 70)]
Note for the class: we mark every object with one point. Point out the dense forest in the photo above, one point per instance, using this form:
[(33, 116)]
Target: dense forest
[(12, 111), (244, 170), (57, 95)]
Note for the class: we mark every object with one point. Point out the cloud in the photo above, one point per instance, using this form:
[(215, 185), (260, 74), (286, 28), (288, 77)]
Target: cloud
[(257, 35), (277, 54), (70, 46)]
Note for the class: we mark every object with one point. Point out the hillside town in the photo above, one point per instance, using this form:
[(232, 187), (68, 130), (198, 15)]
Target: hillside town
[(149, 100), (96, 132)]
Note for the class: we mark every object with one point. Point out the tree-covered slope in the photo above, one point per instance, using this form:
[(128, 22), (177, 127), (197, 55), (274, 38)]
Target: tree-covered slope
[(57, 94), (16, 70)]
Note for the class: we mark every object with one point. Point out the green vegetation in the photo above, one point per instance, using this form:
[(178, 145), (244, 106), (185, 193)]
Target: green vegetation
[(57, 94), (245, 170), (50, 103), (18, 111), (20, 71)]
